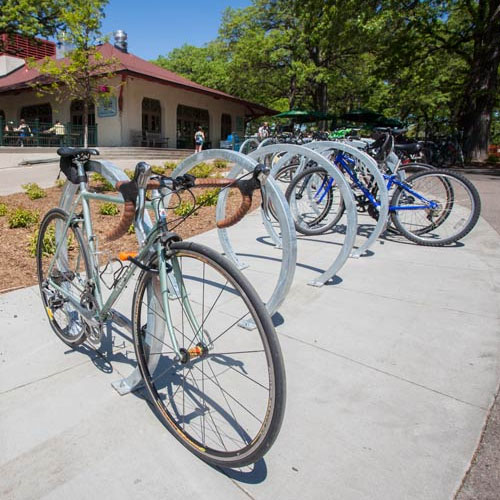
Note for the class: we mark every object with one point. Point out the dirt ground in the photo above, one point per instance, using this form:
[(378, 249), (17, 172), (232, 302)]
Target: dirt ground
[(18, 265)]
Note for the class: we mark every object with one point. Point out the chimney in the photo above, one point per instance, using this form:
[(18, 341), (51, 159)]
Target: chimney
[(121, 40)]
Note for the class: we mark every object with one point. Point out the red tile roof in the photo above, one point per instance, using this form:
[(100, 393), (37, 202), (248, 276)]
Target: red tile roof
[(134, 66)]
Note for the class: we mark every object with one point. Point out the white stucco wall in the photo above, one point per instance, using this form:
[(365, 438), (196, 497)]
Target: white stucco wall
[(170, 97), (117, 130)]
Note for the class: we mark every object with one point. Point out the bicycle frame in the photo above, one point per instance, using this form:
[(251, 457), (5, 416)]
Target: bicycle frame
[(392, 180), (169, 286)]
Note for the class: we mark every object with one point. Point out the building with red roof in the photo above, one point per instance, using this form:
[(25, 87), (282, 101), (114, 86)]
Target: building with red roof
[(149, 105)]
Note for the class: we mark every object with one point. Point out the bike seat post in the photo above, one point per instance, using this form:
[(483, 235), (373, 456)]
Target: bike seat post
[(141, 177)]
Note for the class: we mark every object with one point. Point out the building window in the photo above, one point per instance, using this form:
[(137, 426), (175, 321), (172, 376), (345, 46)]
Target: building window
[(225, 126), (151, 115), (41, 112), (188, 121), (76, 113)]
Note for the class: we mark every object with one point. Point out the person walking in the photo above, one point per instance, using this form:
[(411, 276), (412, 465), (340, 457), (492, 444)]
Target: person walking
[(199, 139), (24, 130)]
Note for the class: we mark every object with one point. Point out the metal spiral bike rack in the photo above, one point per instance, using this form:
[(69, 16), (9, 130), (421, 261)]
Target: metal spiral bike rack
[(326, 148), (270, 191), (290, 151)]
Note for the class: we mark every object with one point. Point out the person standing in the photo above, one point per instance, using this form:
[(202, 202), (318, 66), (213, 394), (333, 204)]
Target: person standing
[(199, 139), (264, 131), (24, 130)]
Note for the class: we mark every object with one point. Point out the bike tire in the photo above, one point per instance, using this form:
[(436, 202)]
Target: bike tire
[(189, 404), (457, 200), (57, 308), (313, 226)]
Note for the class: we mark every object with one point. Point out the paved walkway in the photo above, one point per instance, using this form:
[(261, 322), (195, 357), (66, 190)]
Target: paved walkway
[(390, 371)]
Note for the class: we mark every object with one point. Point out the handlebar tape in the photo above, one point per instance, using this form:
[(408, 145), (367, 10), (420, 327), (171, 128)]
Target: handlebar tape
[(129, 191)]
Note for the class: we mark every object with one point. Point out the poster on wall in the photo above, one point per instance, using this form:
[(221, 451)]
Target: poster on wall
[(106, 106)]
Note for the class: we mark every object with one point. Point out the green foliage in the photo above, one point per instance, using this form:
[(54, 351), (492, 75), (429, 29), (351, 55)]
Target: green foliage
[(493, 159), (60, 182), (129, 173), (219, 163), (170, 165), (202, 170), (208, 197), (183, 209), (22, 217), (3, 209), (30, 18), (84, 71), (156, 169), (49, 242), (131, 229), (34, 191), (108, 208), (104, 183)]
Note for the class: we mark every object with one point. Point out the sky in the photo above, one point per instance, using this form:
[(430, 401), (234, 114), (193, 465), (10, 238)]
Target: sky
[(155, 27)]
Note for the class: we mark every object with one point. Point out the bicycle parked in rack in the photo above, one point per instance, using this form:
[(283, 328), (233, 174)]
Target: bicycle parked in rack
[(219, 388), (432, 207)]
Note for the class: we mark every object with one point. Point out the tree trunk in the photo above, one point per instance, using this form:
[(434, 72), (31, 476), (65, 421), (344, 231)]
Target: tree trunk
[(293, 92), (321, 102), (85, 123), (481, 83)]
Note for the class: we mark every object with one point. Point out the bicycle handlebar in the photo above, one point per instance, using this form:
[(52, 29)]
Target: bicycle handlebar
[(129, 191)]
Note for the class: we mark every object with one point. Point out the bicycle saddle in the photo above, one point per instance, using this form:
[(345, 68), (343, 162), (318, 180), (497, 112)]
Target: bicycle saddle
[(66, 152), (409, 148)]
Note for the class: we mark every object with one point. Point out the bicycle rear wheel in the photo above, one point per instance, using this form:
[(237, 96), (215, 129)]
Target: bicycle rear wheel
[(225, 400), (449, 211), (63, 266), (315, 201)]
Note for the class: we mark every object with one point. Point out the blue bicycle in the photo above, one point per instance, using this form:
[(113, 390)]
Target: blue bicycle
[(432, 208)]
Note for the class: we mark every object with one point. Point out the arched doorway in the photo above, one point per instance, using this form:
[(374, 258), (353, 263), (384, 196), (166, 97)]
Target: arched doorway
[(225, 126), (188, 121), (151, 115), (76, 113)]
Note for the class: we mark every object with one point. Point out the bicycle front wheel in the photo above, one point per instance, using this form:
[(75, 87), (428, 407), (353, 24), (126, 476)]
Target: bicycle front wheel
[(435, 208), (315, 201), (224, 398)]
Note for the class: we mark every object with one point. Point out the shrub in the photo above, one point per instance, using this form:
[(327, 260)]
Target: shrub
[(34, 191), (493, 159), (105, 184), (170, 165), (184, 209), (202, 170), (60, 182), (209, 197), (49, 242), (129, 173), (49, 245), (22, 217), (108, 208), (156, 169), (3, 209), (219, 163), (131, 229)]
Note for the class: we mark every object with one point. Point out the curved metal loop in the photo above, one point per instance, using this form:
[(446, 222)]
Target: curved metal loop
[(324, 147), (266, 142), (247, 144), (270, 191), (306, 154), (113, 174)]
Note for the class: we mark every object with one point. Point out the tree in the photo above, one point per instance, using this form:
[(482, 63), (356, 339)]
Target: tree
[(83, 74), (31, 17)]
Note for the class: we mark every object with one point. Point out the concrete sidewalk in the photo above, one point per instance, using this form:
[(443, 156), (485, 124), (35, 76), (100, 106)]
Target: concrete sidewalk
[(390, 371)]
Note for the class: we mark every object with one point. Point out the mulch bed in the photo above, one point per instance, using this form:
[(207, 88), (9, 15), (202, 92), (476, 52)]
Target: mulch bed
[(18, 266)]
